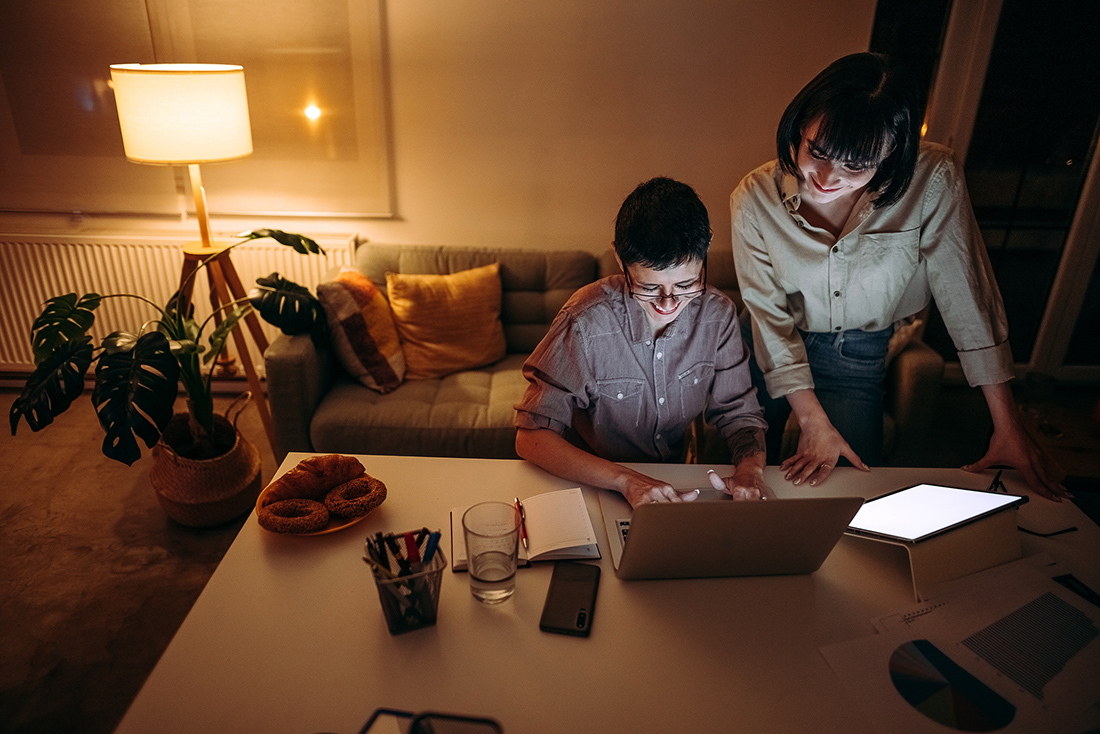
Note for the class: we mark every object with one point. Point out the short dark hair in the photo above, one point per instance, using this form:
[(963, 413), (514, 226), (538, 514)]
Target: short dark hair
[(662, 224), (866, 105)]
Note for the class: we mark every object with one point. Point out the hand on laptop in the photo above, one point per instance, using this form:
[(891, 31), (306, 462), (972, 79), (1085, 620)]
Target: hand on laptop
[(746, 482), (641, 490)]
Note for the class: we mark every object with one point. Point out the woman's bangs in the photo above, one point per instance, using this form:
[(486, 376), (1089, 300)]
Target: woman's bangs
[(853, 139)]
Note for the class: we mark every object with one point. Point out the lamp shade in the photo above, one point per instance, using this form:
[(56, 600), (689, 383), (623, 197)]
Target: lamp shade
[(176, 114)]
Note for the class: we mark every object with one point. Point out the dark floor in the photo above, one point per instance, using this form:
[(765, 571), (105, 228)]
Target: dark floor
[(96, 579)]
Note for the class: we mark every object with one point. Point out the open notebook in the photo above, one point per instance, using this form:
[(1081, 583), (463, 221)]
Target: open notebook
[(716, 536), (558, 527)]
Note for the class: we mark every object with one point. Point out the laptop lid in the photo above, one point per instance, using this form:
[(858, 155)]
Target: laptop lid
[(721, 537)]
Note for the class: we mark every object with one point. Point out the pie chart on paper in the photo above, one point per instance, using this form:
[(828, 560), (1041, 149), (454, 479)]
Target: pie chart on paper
[(935, 685)]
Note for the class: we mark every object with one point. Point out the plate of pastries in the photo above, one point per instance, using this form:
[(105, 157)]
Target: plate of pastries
[(322, 494)]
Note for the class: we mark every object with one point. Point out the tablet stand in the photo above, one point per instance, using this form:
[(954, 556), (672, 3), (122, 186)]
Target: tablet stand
[(974, 547)]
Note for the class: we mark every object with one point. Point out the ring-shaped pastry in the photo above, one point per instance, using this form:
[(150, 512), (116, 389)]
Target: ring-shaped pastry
[(293, 516), (357, 497)]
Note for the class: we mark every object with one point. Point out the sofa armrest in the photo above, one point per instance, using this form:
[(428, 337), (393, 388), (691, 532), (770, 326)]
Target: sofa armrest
[(912, 392), (298, 376)]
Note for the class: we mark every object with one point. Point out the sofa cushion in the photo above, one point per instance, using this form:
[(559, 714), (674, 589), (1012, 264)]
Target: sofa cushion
[(466, 414), (534, 283), (363, 334), (449, 322)]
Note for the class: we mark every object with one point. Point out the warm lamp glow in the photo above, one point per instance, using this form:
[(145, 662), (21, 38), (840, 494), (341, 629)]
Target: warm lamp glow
[(177, 114), (313, 112)]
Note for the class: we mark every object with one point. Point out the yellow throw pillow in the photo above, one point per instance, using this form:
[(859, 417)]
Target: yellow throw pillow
[(363, 334), (447, 323)]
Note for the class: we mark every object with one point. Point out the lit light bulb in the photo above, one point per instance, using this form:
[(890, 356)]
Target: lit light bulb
[(313, 112)]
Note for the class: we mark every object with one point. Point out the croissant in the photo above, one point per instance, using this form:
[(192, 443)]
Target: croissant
[(312, 478)]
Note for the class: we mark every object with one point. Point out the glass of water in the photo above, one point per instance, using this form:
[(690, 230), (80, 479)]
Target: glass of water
[(492, 546)]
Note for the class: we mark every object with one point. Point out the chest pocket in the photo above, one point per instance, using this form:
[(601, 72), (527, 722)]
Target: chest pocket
[(694, 384), (620, 401), (886, 262)]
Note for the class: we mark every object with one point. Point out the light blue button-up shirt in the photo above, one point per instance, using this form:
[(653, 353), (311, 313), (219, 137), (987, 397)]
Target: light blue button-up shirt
[(600, 375)]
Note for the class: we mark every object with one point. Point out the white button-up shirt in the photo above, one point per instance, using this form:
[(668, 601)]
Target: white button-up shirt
[(885, 266)]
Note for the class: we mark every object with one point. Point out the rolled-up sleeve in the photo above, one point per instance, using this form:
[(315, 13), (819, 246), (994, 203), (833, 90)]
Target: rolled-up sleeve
[(558, 376), (961, 279), (733, 406), (777, 345)]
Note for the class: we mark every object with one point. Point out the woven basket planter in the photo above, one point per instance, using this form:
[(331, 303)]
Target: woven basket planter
[(205, 492)]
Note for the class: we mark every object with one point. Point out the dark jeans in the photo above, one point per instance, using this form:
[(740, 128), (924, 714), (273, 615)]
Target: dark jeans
[(849, 371)]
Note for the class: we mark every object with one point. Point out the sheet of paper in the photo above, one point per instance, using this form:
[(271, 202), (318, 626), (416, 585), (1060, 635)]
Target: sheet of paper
[(1010, 646)]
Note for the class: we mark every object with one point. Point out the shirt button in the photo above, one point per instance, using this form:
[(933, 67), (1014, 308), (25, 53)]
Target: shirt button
[(836, 249), (657, 437), (839, 328), (660, 401), (836, 293), (648, 342), (660, 354), (619, 396)]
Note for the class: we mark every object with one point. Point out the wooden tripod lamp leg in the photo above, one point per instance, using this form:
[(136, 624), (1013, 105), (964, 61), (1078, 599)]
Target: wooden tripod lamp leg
[(241, 344)]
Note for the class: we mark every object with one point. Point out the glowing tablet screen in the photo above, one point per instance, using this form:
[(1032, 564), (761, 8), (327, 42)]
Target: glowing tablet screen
[(926, 509)]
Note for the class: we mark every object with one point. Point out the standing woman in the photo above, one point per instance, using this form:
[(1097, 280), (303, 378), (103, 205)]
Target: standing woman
[(853, 229)]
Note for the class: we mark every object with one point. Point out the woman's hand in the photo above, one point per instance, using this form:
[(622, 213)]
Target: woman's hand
[(642, 490), (1012, 446), (819, 443), (747, 480)]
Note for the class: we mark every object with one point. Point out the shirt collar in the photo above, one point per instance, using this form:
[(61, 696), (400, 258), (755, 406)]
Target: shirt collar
[(788, 193), (788, 189)]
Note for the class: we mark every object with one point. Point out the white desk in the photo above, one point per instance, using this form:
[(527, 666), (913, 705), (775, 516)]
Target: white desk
[(289, 635)]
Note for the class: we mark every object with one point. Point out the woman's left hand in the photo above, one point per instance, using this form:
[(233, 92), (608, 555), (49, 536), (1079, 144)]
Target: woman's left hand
[(1015, 448), (1011, 445), (746, 482)]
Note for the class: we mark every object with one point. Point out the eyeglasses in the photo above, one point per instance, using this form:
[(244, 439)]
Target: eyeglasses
[(661, 295)]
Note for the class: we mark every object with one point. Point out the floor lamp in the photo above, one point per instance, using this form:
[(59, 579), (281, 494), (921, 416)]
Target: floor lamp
[(187, 114)]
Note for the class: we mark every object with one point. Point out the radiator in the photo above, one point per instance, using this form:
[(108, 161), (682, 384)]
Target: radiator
[(34, 269)]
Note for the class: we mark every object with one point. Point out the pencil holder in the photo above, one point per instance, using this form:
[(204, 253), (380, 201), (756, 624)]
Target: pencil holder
[(412, 601)]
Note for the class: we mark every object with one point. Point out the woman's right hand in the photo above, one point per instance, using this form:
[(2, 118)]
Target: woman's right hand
[(819, 447), (641, 490)]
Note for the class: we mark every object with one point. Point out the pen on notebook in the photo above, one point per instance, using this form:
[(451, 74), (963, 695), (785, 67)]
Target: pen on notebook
[(522, 522)]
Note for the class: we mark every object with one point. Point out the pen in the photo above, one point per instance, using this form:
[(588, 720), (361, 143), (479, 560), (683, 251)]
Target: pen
[(522, 522), (430, 546)]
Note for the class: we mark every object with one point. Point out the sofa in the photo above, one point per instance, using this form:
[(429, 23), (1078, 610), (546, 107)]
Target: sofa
[(317, 406)]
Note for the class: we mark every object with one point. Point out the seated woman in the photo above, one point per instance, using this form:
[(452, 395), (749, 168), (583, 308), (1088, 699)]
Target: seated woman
[(632, 359), (855, 227)]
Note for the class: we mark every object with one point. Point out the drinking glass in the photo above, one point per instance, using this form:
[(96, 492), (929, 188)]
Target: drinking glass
[(492, 547)]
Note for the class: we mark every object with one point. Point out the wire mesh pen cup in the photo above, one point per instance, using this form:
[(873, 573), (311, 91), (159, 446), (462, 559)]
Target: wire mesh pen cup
[(411, 602)]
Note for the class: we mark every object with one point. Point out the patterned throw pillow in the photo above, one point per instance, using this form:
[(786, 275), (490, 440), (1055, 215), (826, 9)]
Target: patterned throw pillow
[(363, 333), (448, 323)]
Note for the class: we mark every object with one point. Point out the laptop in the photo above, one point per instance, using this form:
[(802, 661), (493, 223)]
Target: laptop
[(717, 536)]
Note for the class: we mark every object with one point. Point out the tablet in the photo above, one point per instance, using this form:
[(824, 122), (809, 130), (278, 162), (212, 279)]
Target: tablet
[(922, 511)]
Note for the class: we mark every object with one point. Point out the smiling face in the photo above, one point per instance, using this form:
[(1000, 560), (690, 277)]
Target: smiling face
[(664, 294), (827, 180)]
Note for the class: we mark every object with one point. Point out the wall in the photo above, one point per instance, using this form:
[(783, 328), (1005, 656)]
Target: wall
[(525, 124)]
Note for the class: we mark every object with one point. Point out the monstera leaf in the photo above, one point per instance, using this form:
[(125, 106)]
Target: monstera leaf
[(64, 318), (289, 306), (300, 243), (134, 393), (54, 384), (217, 339)]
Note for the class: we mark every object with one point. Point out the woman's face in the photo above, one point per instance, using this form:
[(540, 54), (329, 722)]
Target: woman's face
[(664, 294), (826, 180)]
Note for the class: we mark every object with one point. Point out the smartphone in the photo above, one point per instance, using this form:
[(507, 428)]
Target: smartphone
[(571, 599)]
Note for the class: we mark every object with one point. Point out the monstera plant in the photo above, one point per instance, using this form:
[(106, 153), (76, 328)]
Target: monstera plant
[(137, 376)]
